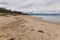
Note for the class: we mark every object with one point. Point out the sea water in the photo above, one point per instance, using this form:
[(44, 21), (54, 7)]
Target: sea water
[(49, 18)]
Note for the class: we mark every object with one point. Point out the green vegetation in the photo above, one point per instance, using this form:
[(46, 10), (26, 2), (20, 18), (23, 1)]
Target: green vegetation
[(6, 12)]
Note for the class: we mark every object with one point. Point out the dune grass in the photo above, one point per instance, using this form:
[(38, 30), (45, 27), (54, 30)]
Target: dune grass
[(6, 14)]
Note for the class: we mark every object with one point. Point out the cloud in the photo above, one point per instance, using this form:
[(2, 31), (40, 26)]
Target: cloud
[(34, 6)]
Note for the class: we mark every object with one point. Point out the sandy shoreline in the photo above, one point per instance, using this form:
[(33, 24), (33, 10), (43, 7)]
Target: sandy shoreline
[(28, 28)]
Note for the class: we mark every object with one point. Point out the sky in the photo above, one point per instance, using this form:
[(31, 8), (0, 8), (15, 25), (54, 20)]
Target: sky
[(32, 6)]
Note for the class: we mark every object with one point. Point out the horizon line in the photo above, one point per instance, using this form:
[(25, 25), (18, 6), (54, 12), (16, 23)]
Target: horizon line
[(47, 14)]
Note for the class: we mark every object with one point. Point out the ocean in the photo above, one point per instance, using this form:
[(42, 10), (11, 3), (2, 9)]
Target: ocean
[(49, 18)]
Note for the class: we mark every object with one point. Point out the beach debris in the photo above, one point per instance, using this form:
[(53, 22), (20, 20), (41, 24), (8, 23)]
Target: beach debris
[(41, 31)]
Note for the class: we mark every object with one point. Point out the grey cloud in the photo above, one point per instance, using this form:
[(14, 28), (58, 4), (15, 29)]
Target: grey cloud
[(32, 5), (3, 3)]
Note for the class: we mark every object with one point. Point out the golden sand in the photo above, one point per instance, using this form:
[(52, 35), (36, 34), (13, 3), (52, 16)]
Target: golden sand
[(28, 28)]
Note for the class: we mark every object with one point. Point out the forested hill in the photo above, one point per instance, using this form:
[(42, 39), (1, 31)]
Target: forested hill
[(4, 10)]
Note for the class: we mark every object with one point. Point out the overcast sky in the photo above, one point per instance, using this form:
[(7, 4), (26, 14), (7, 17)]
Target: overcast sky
[(34, 6)]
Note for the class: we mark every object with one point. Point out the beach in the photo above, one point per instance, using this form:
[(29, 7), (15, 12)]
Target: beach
[(26, 27)]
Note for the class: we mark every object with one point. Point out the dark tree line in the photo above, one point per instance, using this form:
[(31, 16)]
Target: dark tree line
[(4, 10)]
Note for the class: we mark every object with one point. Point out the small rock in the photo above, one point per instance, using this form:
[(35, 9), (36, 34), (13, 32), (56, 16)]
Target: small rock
[(40, 31)]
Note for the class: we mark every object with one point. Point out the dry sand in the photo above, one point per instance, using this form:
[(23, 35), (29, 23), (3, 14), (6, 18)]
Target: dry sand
[(28, 28)]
